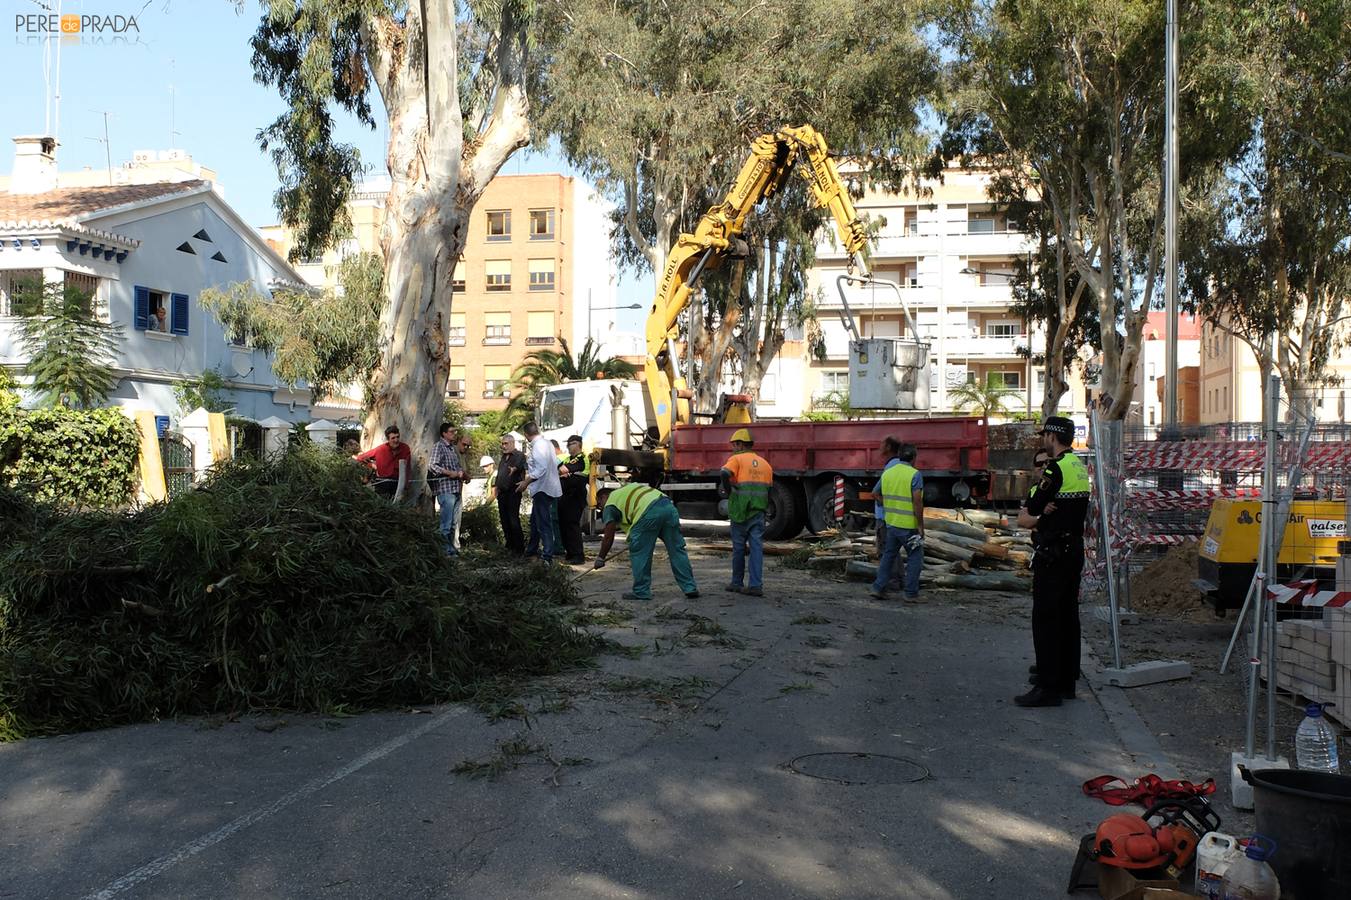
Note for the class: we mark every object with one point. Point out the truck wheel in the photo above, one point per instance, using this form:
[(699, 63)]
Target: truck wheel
[(784, 517), (821, 508)]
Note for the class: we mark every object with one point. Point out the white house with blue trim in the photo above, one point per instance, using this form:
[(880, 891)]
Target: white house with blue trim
[(146, 252)]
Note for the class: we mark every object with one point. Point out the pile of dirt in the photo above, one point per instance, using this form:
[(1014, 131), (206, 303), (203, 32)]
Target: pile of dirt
[(1164, 587)]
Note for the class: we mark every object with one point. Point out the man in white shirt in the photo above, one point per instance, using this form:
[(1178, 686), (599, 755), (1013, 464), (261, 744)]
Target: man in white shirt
[(541, 480)]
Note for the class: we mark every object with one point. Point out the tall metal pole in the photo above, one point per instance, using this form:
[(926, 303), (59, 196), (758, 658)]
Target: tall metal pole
[(1170, 217), (1266, 566)]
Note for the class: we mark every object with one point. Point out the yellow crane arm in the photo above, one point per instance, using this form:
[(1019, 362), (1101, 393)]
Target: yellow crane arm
[(717, 237)]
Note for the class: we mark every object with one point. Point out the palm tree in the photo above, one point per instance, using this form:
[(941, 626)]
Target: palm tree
[(545, 367), (984, 399)]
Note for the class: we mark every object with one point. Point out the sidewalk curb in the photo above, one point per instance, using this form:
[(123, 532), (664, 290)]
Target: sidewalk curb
[(1136, 738)]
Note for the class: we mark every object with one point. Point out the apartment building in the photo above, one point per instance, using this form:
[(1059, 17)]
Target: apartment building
[(1231, 382), (537, 266), (951, 253), (1152, 374)]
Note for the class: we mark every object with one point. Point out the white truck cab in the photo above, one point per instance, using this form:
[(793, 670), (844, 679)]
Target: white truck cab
[(589, 408)]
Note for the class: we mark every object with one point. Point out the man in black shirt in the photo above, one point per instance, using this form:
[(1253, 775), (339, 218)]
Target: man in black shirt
[(510, 472), (1056, 512)]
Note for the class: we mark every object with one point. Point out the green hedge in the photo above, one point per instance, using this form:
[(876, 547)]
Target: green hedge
[(69, 456)]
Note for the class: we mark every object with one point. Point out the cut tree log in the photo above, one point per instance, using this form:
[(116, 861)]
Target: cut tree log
[(992, 581), (936, 546), (984, 581), (959, 529), (984, 517), (977, 544), (769, 549)]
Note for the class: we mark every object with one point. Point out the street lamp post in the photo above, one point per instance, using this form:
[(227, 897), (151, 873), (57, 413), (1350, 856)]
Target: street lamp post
[(590, 309)]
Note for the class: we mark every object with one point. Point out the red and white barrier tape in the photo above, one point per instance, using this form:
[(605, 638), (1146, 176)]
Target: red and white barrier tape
[(1306, 593)]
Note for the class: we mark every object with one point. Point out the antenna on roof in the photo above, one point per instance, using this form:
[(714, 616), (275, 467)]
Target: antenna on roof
[(107, 146), (56, 103), (173, 133)]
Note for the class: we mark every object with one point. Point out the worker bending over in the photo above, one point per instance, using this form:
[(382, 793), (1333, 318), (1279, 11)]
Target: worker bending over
[(746, 479), (646, 514)]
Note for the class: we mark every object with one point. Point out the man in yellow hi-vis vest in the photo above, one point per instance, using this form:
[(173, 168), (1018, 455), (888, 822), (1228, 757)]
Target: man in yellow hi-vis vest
[(1056, 510), (902, 492), (746, 480), (646, 514)]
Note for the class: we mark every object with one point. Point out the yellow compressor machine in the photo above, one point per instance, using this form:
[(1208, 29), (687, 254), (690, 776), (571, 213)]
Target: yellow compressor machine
[(1227, 556)]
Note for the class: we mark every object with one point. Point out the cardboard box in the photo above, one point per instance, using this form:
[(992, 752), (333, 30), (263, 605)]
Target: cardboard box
[(1122, 884)]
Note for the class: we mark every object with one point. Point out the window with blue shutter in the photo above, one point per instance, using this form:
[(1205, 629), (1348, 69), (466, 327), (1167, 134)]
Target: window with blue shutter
[(178, 314), (141, 308)]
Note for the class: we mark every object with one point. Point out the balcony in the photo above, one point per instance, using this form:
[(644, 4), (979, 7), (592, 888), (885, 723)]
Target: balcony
[(538, 341), (982, 346), (867, 299), (497, 341), (986, 243)]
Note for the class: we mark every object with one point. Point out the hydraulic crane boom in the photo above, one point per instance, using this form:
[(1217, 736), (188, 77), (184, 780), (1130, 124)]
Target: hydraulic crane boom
[(717, 237)]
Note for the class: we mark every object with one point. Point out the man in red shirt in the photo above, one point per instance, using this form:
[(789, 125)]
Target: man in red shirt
[(385, 459)]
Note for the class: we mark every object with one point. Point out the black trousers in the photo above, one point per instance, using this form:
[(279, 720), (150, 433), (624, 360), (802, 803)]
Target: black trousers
[(1055, 616), (509, 512), (570, 508)]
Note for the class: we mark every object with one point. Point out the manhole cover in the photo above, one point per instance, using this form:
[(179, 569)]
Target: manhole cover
[(859, 768)]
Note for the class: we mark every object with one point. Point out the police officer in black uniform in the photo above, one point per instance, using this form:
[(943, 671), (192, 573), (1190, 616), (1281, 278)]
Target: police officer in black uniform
[(573, 502), (1058, 507)]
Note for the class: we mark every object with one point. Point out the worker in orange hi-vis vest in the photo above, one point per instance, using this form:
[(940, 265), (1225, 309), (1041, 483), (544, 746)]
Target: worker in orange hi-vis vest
[(746, 480)]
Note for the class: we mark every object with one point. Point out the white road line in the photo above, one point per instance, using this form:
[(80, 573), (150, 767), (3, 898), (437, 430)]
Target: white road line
[(158, 866)]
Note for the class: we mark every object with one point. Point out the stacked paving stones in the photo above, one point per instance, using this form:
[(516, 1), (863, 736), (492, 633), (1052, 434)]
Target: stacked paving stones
[(1313, 660)]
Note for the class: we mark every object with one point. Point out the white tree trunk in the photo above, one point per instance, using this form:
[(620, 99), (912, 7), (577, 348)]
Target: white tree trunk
[(436, 184)]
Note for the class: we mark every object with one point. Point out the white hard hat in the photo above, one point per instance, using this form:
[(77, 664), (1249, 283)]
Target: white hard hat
[(485, 461)]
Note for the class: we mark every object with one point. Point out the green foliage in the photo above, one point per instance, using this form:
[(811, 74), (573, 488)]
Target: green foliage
[(70, 351), (479, 525), (206, 391), (1272, 259), (284, 584), (9, 390), (327, 339), (984, 399), (833, 405), (665, 120), (70, 457), (1066, 96)]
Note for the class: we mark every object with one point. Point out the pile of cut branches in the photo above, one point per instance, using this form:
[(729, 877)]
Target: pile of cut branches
[(284, 584)]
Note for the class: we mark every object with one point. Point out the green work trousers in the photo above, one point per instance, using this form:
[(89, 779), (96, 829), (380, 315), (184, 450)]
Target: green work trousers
[(659, 521)]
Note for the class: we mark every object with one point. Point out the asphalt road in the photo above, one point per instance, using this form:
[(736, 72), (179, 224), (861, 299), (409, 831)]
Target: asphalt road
[(669, 775)]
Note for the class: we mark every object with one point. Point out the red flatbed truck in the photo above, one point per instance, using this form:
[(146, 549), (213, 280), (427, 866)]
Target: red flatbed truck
[(807, 457)]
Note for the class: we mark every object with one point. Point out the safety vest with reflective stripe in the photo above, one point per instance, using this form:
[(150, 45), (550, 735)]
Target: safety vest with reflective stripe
[(752, 477), (632, 500), (1074, 478), (898, 504)]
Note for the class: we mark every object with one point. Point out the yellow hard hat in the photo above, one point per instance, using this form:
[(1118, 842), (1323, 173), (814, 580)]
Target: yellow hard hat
[(742, 434)]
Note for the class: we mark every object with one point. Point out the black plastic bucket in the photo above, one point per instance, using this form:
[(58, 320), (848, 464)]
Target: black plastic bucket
[(1308, 815)]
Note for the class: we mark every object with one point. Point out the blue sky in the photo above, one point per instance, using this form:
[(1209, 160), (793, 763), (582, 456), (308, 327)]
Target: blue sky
[(184, 80)]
